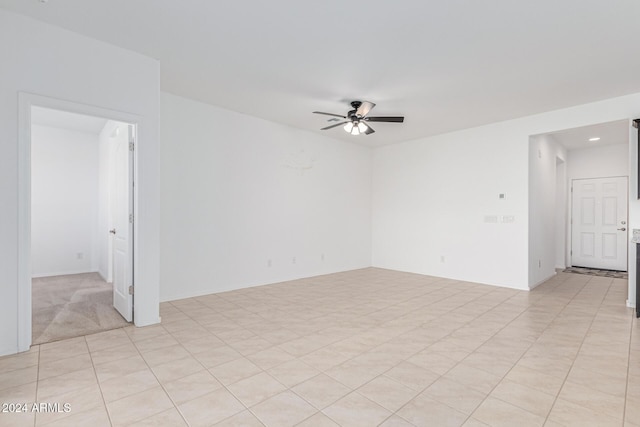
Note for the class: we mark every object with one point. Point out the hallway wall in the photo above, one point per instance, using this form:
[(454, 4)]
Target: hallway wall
[(64, 201)]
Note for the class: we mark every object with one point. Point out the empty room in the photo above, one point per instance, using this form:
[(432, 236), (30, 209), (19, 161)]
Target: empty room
[(407, 214), (75, 198)]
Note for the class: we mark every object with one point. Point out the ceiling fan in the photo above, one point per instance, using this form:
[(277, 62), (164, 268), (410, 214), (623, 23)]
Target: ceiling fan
[(356, 118)]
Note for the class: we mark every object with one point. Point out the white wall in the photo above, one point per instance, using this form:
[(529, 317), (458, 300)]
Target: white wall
[(561, 214), (431, 195), (544, 155), (44, 60), (104, 220), (64, 201), (239, 191), (599, 162)]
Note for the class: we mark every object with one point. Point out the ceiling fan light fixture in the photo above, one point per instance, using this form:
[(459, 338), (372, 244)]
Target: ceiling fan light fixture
[(354, 120)]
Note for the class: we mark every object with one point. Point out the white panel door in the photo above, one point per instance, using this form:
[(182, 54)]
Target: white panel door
[(122, 209), (599, 223)]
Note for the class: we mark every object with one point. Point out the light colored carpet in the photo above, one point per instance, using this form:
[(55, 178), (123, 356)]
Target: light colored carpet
[(71, 306)]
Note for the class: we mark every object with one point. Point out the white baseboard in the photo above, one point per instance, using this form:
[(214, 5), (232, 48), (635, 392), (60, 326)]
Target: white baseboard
[(103, 276), (60, 273), (631, 304), (542, 281)]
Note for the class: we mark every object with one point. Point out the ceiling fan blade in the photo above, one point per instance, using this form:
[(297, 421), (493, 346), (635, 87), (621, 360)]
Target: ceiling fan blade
[(364, 108), (369, 130), (396, 119), (330, 114), (333, 126)]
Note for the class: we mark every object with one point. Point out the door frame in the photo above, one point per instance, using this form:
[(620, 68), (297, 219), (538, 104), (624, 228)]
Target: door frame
[(25, 102), (570, 211)]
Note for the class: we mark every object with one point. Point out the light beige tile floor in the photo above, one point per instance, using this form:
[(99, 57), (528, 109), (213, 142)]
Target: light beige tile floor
[(361, 348)]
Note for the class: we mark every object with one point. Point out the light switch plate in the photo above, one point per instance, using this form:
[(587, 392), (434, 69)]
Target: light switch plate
[(636, 236)]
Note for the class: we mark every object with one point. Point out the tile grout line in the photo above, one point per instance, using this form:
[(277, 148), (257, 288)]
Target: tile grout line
[(584, 338), (325, 346), (230, 344), (104, 402), (515, 363), (626, 386), (528, 348), (37, 384), (159, 383), (208, 370), (579, 348), (204, 368), (224, 386), (395, 413)]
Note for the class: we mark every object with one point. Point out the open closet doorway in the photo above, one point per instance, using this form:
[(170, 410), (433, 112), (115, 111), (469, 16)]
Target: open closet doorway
[(81, 173)]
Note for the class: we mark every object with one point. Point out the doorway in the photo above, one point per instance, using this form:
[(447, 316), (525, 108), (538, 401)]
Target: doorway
[(556, 160), (81, 223)]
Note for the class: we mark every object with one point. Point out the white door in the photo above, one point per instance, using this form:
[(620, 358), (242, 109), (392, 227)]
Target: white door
[(122, 211), (599, 223)]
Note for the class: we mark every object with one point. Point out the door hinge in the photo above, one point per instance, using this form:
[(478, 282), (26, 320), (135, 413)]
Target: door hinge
[(131, 146), (131, 218), (131, 290)]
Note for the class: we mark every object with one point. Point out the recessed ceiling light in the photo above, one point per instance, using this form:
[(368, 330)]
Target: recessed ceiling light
[(594, 139)]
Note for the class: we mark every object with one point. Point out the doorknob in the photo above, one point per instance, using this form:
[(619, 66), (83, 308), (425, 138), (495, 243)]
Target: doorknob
[(623, 222), (112, 231), (622, 229)]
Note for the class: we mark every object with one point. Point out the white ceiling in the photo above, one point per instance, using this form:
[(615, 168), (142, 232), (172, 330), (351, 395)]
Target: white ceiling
[(445, 65), (64, 120), (610, 133)]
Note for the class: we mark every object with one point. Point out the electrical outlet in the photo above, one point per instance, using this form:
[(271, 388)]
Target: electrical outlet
[(508, 218), (80, 255), (268, 263), (492, 219), (539, 264), (293, 260), (441, 258), (322, 257)]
